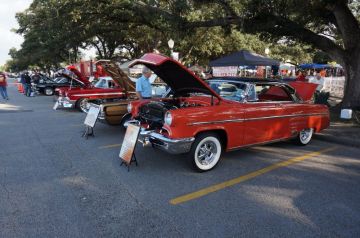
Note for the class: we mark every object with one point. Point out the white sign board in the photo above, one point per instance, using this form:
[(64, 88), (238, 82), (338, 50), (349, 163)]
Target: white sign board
[(92, 115), (333, 85), (56, 105), (128, 145), (229, 71)]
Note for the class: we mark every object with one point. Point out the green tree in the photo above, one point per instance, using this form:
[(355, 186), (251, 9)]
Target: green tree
[(55, 30), (331, 26)]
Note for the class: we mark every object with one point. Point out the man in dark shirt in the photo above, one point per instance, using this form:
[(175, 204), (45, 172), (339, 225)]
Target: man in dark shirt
[(22, 81), (36, 78), (27, 84)]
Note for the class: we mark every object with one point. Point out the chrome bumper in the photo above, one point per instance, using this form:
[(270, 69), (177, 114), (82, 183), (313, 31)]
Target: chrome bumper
[(172, 146), (66, 102)]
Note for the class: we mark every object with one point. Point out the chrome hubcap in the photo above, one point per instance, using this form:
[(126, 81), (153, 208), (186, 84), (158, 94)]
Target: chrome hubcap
[(48, 91), (207, 152), (305, 134), (84, 105)]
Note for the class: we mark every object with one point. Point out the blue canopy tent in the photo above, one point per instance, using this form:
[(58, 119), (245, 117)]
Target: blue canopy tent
[(314, 66), (243, 58)]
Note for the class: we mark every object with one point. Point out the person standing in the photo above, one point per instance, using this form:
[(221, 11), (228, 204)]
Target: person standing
[(36, 77), (28, 84), (3, 85), (23, 82), (322, 73), (143, 85), (320, 82), (301, 77)]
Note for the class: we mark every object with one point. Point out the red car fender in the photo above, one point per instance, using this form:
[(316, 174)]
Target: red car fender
[(189, 122)]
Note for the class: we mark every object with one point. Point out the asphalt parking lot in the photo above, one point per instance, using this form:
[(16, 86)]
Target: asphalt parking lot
[(56, 184)]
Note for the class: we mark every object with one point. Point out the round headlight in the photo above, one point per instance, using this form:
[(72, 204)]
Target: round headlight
[(129, 107), (168, 118)]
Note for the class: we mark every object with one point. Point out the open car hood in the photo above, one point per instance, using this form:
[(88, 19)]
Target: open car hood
[(304, 90), (119, 77), (180, 79), (69, 74), (79, 75)]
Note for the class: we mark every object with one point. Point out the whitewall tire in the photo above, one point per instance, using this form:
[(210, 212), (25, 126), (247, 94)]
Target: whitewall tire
[(205, 152), (82, 105), (305, 136)]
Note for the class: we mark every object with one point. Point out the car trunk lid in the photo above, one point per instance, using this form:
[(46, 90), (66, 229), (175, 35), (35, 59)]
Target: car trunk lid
[(304, 90)]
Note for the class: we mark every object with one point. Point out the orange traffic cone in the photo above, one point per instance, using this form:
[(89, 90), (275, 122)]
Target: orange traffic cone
[(20, 88)]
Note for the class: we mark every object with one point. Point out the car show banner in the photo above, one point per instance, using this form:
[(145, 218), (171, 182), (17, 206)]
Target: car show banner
[(92, 115), (229, 71), (128, 146)]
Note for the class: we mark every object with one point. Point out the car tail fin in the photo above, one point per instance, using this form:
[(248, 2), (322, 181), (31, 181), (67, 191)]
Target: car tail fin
[(304, 90)]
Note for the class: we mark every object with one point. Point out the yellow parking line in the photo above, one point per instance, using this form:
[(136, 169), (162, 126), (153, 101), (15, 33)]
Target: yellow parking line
[(109, 146), (232, 182)]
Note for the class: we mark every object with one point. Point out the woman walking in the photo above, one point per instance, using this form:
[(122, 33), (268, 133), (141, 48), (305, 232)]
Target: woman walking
[(3, 85)]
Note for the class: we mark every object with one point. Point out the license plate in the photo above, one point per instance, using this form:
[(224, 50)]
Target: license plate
[(66, 105)]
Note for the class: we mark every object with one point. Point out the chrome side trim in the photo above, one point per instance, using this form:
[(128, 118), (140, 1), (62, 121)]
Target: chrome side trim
[(285, 116), (98, 94), (215, 122), (255, 119)]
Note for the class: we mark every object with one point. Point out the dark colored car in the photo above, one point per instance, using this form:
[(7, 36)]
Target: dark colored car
[(47, 86)]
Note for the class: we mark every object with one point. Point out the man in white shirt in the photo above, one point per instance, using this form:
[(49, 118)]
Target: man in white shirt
[(319, 81), (143, 85)]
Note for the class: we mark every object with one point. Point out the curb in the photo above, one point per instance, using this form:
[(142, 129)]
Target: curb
[(337, 140)]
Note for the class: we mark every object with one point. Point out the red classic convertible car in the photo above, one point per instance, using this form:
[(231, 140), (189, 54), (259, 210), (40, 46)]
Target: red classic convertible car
[(223, 114), (105, 89)]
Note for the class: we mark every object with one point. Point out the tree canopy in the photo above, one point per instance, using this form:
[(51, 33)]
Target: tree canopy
[(55, 30)]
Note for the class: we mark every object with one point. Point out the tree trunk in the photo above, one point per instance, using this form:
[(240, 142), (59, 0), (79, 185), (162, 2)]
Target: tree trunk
[(352, 82)]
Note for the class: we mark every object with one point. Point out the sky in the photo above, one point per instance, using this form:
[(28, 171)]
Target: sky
[(8, 39)]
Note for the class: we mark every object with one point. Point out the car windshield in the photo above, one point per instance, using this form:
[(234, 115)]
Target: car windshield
[(61, 80), (234, 91), (101, 83), (45, 80)]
